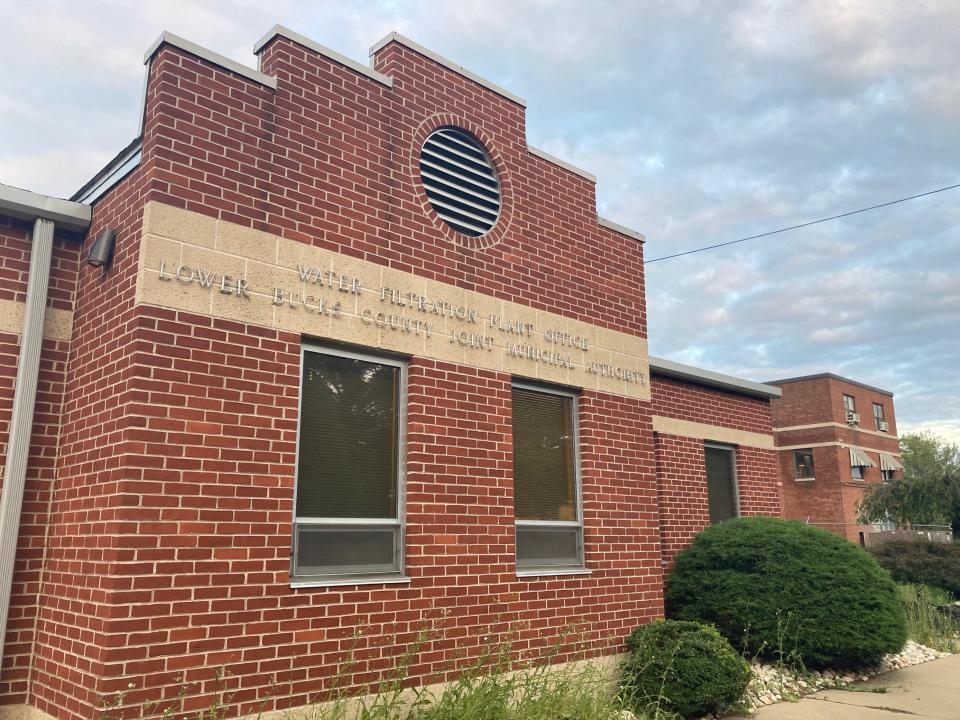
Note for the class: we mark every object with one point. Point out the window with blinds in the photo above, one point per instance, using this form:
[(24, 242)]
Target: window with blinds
[(549, 532), (349, 457), (721, 483)]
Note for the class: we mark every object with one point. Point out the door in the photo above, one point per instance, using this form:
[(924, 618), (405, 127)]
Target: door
[(721, 483)]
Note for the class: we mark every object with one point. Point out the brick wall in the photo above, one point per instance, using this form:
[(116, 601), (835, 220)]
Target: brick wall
[(169, 535), (206, 506), (680, 461), (804, 402), (697, 403), (77, 584), (757, 481), (15, 242), (681, 491)]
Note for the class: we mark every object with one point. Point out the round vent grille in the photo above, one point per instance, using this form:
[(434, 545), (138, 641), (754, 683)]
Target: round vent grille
[(460, 181)]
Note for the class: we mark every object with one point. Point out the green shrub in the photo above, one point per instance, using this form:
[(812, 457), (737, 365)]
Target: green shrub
[(779, 588), (923, 562), (681, 667)]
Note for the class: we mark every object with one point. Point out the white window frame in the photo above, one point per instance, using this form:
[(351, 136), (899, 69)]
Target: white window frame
[(356, 574), (732, 449), (812, 463), (878, 418), (579, 568)]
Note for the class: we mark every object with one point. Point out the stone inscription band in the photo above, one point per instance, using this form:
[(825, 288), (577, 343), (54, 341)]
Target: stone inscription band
[(194, 263)]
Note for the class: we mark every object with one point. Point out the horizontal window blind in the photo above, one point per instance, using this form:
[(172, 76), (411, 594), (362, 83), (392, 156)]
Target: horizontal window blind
[(348, 454), (544, 473)]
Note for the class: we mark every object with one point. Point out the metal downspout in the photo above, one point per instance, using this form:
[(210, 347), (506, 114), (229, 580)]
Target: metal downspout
[(21, 420)]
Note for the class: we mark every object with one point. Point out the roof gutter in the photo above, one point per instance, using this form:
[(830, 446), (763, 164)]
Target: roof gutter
[(46, 212), (709, 378), (26, 205)]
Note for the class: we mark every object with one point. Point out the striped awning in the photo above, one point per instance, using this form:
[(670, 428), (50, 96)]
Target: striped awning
[(859, 458), (889, 462)]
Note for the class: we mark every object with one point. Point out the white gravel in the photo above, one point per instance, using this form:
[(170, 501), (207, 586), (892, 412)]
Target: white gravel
[(771, 684)]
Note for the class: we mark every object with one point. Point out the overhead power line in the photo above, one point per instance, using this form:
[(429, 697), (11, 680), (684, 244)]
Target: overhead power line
[(802, 225)]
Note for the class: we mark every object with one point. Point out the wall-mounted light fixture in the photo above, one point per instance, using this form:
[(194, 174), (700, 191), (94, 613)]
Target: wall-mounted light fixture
[(101, 252)]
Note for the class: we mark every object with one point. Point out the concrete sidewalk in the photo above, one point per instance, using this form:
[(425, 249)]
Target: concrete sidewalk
[(929, 690)]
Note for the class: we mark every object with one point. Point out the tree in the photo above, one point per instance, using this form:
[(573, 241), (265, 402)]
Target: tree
[(926, 455), (929, 491)]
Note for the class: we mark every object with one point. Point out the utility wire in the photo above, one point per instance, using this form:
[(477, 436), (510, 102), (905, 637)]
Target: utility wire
[(801, 225)]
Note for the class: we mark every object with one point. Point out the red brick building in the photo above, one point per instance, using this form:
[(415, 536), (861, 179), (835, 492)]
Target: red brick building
[(353, 358), (835, 437), (714, 448)]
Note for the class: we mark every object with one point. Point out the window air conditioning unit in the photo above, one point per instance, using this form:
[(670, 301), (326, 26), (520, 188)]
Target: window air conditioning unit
[(884, 426), (853, 418)]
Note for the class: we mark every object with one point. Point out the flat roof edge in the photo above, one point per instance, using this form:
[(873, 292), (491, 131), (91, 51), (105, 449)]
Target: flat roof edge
[(121, 165), (622, 229), (544, 155), (27, 205), (832, 376), (169, 38), (284, 32), (449, 64), (679, 371)]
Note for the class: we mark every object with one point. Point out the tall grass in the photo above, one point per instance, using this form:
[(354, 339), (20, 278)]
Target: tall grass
[(492, 687), (926, 623)]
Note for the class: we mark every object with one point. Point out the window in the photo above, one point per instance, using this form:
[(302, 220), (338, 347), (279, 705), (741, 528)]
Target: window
[(878, 415), (348, 522), (848, 403), (546, 492), (857, 472), (721, 483), (803, 464), (887, 475)]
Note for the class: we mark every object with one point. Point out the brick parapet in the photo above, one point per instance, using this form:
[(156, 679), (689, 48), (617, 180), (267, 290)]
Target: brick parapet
[(686, 401), (820, 400), (350, 141)]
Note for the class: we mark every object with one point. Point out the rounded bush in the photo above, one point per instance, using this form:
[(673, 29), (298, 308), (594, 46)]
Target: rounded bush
[(779, 588), (922, 562), (684, 667)]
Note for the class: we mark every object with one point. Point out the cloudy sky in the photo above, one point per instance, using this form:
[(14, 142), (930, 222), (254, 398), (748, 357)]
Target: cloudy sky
[(704, 121)]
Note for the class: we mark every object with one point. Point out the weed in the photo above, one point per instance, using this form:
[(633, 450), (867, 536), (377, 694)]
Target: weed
[(861, 689), (926, 623)]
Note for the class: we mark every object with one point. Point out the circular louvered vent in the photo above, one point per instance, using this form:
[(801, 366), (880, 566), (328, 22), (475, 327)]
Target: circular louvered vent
[(460, 181)]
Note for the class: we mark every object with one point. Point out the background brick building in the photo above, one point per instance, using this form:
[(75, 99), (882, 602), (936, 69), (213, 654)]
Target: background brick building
[(835, 437), (270, 219)]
